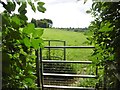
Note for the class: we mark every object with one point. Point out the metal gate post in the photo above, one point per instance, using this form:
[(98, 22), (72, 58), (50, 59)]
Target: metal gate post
[(64, 51), (41, 69), (37, 68), (49, 57)]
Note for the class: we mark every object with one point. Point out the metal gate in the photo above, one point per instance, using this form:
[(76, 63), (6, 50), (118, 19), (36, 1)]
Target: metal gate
[(50, 43), (58, 72)]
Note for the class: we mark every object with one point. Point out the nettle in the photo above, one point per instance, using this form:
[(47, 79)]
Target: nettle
[(20, 39)]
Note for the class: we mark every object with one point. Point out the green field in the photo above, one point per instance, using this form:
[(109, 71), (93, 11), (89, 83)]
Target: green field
[(72, 39)]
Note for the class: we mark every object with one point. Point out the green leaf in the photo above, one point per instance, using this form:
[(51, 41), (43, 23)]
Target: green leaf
[(88, 11), (38, 33), (24, 12), (41, 40), (29, 80), (23, 59), (5, 19), (35, 43), (33, 77), (9, 6), (22, 8), (40, 3), (31, 26), (23, 17), (105, 27), (32, 6), (27, 42), (16, 35), (40, 7), (29, 29), (12, 5), (16, 20)]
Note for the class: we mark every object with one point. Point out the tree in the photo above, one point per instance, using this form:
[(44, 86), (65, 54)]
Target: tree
[(50, 23), (19, 42), (106, 37), (43, 23), (34, 21)]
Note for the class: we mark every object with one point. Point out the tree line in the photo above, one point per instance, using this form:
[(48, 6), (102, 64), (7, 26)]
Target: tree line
[(43, 23), (74, 29)]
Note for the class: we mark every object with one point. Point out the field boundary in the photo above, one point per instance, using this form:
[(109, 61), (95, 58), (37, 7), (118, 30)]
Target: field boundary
[(41, 73)]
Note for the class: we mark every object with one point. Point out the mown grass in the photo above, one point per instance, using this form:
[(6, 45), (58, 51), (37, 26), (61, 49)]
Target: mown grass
[(72, 39)]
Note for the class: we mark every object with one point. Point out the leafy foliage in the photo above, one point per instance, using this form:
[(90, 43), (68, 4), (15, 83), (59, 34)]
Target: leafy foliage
[(105, 28), (106, 35), (19, 42)]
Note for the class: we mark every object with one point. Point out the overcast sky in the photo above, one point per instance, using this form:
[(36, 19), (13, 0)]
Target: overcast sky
[(65, 13)]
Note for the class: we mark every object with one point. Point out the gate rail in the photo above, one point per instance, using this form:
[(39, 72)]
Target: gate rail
[(40, 74), (49, 45)]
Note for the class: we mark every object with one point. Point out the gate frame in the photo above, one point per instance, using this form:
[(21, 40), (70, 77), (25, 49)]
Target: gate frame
[(49, 44), (39, 66)]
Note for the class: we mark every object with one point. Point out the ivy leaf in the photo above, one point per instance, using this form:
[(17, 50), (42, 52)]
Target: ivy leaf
[(27, 42)]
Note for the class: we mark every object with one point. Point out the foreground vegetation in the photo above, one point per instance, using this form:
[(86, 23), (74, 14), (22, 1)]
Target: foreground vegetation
[(106, 38), (19, 45)]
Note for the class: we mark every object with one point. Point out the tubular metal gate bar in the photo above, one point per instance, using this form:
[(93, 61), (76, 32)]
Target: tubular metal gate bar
[(49, 44), (41, 74)]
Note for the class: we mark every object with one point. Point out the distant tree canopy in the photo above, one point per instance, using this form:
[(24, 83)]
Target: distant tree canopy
[(43, 23)]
